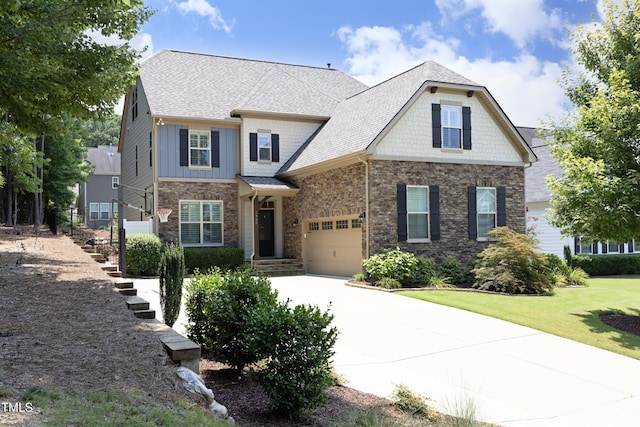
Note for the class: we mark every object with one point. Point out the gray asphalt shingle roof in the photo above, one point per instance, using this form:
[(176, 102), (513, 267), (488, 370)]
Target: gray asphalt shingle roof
[(358, 120), (536, 189), (182, 84), (106, 160)]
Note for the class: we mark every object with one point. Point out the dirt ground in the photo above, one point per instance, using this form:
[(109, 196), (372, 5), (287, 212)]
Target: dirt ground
[(63, 325)]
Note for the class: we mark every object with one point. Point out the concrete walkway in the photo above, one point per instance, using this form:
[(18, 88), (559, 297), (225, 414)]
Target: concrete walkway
[(511, 375)]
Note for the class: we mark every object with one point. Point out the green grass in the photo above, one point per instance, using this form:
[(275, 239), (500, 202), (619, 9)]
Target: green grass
[(571, 313), (114, 409)]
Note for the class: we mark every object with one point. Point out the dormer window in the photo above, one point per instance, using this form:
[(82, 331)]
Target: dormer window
[(451, 126), (264, 146)]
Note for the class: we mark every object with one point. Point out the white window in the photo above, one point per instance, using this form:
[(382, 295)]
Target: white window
[(94, 211), (201, 223), (451, 126), (115, 182), (417, 213), (584, 248), (199, 148), (264, 147), (486, 204), (613, 247), (104, 211)]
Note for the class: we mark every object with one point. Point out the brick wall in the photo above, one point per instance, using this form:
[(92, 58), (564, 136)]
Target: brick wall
[(337, 192), (453, 179), (170, 193)]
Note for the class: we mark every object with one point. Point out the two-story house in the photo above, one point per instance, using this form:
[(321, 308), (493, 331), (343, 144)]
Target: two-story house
[(308, 163), (95, 196)]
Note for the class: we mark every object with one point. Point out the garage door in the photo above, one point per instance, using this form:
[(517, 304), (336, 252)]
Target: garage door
[(333, 246)]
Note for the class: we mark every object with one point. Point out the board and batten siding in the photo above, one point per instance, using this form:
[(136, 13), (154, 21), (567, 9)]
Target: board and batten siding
[(169, 148), (136, 135)]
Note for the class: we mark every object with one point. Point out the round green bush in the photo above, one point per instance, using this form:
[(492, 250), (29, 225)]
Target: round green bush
[(143, 254)]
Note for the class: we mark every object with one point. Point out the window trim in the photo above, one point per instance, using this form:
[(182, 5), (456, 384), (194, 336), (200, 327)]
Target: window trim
[(115, 182), (201, 222), (97, 211), (268, 148), (478, 213), (107, 211), (458, 109), (190, 148), (427, 213)]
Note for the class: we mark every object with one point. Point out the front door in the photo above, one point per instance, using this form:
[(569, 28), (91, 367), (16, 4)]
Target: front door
[(266, 233)]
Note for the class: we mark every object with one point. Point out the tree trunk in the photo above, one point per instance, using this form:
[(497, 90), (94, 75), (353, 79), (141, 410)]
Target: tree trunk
[(9, 188)]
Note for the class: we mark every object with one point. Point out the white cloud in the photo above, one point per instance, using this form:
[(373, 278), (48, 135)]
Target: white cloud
[(203, 8), (522, 21), (526, 88)]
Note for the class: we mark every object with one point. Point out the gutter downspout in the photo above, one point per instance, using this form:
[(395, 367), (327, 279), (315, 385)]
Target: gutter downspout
[(253, 226), (366, 202)]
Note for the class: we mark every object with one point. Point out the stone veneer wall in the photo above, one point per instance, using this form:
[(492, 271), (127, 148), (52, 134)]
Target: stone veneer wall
[(453, 179), (337, 192), (171, 192)]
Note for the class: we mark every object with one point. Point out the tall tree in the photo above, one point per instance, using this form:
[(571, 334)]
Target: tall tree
[(598, 144), (50, 64), (103, 131)]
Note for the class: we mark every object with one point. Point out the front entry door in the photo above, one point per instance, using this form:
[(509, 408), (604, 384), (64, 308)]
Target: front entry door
[(266, 233)]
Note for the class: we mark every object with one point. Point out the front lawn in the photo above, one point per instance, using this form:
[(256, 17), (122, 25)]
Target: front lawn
[(571, 313)]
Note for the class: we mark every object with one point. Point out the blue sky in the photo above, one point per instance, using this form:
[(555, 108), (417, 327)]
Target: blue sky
[(516, 48)]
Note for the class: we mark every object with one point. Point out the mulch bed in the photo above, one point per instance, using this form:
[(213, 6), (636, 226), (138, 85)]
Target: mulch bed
[(62, 325)]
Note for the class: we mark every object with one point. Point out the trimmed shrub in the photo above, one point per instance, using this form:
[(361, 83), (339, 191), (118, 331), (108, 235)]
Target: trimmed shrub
[(204, 259), (469, 275), (607, 265), (143, 254), (300, 345), (423, 272), (231, 311), (391, 263), (171, 277), (450, 267), (512, 265)]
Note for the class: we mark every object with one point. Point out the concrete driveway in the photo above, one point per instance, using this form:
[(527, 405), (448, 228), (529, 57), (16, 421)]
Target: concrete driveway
[(511, 375)]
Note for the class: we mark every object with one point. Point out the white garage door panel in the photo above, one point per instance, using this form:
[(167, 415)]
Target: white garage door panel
[(335, 252)]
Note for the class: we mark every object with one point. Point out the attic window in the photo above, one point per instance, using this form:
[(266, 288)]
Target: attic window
[(264, 147), (451, 126)]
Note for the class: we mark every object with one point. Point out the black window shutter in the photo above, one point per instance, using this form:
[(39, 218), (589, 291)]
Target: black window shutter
[(436, 126), (502, 206), (275, 147), (184, 147), (473, 213), (434, 211), (630, 246), (605, 248), (466, 128), (253, 147), (594, 248), (576, 245), (215, 149), (621, 248), (402, 212)]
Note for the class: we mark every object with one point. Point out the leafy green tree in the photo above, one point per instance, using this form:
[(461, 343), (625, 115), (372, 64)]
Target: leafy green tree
[(598, 145), (51, 63), (17, 159), (103, 131), (65, 165)]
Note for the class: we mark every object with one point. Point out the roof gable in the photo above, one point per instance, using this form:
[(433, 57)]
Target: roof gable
[(181, 84), (106, 160), (361, 120)]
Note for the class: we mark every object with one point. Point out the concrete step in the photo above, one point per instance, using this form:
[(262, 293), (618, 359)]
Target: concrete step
[(115, 273), (121, 283), (128, 291), (180, 348), (136, 303), (145, 314), (279, 267), (110, 267)]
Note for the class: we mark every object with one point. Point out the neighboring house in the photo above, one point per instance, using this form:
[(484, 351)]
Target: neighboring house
[(538, 198), (96, 195), (308, 163)]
